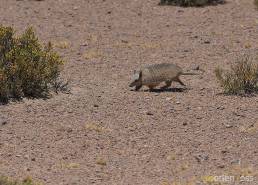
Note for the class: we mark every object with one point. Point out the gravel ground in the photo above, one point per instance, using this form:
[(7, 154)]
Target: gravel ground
[(105, 133)]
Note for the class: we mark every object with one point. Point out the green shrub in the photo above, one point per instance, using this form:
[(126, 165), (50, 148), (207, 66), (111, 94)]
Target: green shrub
[(190, 2), (27, 69), (256, 3), (8, 181), (241, 79)]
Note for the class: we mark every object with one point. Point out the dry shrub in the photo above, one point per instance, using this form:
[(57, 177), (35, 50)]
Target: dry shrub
[(8, 181), (27, 69), (241, 79), (190, 2)]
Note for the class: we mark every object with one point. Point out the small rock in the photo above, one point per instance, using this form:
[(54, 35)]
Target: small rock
[(238, 114), (221, 166), (207, 42), (237, 161), (198, 117), (3, 121), (149, 113), (196, 67), (220, 108), (177, 102), (224, 151), (168, 99), (69, 130), (205, 11), (84, 44), (95, 105), (228, 126), (124, 41), (201, 157)]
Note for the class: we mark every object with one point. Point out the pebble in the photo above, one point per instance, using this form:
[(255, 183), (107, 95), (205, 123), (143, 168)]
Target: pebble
[(3, 121), (237, 161), (224, 151), (180, 11), (196, 67), (228, 126), (201, 157), (149, 113), (221, 166)]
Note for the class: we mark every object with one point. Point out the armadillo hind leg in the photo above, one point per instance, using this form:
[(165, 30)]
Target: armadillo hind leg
[(151, 87), (179, 81), (168, 84)]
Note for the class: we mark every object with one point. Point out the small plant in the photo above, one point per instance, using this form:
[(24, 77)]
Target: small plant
[(242, 79), (256, 3), (101, 161), (190, 2), (27, 69), (8, 181)]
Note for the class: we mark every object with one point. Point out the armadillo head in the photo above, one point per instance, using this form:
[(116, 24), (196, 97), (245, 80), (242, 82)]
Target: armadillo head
[(137, 79)]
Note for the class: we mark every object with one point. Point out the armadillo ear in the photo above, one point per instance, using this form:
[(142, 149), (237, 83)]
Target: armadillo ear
[(135, 76)]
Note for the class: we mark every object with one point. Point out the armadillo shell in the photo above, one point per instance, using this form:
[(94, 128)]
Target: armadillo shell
[(160, 72)]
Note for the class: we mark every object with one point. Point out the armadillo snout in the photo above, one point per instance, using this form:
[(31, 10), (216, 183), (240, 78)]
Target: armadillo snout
[(135, 83)]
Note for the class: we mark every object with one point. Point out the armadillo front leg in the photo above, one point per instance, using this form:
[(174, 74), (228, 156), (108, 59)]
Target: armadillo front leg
[(138, 87)]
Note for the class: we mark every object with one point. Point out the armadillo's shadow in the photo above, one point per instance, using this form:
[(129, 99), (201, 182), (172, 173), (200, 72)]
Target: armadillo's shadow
[(175, 89)]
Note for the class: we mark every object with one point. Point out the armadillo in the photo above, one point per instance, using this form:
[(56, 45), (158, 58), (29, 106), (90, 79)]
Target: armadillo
[(153, 75)]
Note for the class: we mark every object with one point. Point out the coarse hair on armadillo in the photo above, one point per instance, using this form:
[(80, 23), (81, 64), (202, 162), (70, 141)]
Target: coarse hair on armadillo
[(160, 72)]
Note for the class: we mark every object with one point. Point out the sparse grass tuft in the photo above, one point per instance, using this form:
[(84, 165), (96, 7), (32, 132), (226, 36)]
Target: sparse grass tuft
[(92, 54), (8, 181), (62, 44), (101, 161), (27, 69), (72, 166), (95, 127), (242, 79), (187, 3)]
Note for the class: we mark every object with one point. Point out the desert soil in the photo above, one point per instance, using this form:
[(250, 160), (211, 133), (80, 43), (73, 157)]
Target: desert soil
[(103, 132)]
